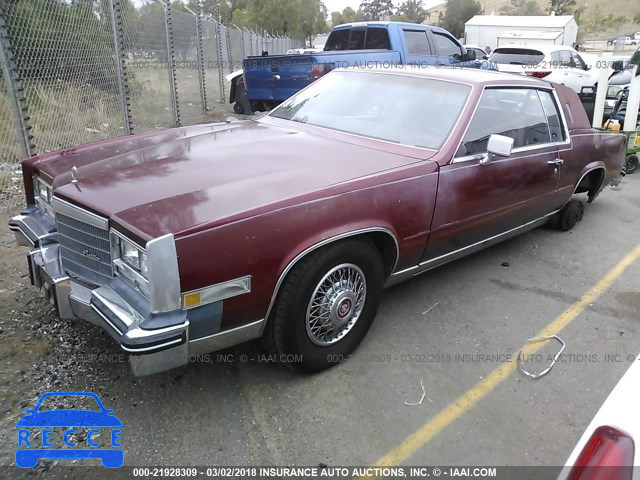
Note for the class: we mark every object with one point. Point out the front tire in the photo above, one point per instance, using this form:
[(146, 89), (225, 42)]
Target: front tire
[(326, 305)]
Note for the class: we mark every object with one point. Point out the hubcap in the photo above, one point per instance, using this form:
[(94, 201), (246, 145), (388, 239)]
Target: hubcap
[(336, 304)]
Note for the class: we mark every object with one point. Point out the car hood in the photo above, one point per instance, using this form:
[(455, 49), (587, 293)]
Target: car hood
[(176, 179), (69, 418)]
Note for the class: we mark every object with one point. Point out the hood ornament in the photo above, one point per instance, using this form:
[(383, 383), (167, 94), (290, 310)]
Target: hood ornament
[(74, 174)]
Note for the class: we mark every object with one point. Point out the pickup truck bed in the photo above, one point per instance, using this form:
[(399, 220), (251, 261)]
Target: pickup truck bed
[(275, 78), (269, 80)]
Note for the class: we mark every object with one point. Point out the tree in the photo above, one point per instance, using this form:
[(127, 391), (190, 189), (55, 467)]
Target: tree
[(295, 18), (562, 7), (411, 11), (376, 9), (457, 13), (348, 15), (522, 7), (315, 21)]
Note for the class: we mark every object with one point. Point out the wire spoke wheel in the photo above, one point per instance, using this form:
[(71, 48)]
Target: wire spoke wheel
[(336, 304)]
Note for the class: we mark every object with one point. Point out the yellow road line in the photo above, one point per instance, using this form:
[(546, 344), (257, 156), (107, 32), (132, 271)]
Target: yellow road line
[(446, 417)]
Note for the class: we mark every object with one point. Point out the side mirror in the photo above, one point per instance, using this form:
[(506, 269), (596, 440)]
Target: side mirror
[(617, 65), (498, 145), (635, 58)]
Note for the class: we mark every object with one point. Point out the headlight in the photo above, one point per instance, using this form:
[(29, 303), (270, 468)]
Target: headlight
[(133, 256), (42, 190), (43, 193), (130, 261)]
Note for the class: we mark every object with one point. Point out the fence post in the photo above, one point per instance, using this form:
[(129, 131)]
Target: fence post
[(244, 55), (15, 91), (229, 53), (171, 59), (121, 65), (219, 46), (200, 49)]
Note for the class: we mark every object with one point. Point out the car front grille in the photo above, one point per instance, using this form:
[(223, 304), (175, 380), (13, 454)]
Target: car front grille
[(84, 248)]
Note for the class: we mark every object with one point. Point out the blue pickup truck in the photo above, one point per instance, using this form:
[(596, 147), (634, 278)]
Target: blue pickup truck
[(268, 80)]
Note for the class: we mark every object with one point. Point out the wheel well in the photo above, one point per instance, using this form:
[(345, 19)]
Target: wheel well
[(591, 183), (387, 247), (384, 241)]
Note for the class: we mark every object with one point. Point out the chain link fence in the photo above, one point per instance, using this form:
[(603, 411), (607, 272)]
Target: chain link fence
[(80, 71)]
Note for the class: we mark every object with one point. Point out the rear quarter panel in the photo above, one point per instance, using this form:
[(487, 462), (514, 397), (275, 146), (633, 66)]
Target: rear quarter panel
[(589, 148)]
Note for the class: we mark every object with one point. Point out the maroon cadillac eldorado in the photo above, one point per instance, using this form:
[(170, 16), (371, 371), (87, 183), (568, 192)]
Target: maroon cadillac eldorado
[(288, 227)]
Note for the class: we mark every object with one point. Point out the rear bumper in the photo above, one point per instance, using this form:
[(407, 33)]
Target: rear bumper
[(155, 342)]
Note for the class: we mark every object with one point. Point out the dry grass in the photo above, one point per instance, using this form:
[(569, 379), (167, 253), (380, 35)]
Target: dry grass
[(64, 114)]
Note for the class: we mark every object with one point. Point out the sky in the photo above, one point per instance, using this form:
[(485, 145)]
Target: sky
[(339, 5)]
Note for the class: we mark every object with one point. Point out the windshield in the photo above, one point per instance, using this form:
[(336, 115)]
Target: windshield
[(403, 109)]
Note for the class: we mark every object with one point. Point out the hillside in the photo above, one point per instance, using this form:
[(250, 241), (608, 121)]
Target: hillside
[(596, 25)]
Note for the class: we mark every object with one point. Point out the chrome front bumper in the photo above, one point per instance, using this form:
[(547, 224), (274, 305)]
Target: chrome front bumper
[(155, 342)]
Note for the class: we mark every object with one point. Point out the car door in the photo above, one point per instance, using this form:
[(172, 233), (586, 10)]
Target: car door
[(476, 201), (417, 47), (571, 76), (582, 76), (447, 49)]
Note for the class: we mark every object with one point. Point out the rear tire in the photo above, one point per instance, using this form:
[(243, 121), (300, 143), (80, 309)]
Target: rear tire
[(325, 306), (631, 164), (568, 216)]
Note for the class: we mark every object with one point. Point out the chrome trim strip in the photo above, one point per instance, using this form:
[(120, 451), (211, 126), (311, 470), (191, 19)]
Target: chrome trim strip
[(154, 347), (220, 291), (77, 213), (509, 159), (322, 244), (138, 332), (455, 253)]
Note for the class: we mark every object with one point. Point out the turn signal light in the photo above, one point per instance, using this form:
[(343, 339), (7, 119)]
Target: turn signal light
[(608, 455)]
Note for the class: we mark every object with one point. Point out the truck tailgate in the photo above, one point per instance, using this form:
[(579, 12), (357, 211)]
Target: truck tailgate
[(277, 77)]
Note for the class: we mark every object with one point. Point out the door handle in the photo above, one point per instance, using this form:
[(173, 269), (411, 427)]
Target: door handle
[(556, 163)]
